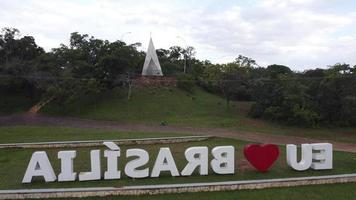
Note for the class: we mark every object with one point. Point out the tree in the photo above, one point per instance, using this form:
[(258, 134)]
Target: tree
[(189, 54), (276, 70), (233, 79), (244, 61), (285, 100), (18, 57), (338, 69)]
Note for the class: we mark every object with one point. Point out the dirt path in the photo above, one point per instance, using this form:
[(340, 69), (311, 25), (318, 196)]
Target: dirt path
[(40, 120)]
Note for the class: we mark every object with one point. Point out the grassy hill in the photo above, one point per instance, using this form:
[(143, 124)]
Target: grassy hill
[(176, 107), (155, 105)]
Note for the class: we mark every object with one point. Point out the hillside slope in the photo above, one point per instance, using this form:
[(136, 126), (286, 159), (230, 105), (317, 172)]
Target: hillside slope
[(172, 106), (157, 105)]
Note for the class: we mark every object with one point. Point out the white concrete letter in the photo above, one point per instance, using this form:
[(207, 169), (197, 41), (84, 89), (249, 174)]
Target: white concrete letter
[(323, 158), (306, 157), (196, 157), (224, 160), (95, 173), (67, 170), (164, 162), (141, 160), (39, 165), (112, 165)]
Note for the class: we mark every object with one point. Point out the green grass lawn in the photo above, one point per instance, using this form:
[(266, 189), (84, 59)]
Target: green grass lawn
[(20, 134), (319, 192), (176, 107), (13, 163)]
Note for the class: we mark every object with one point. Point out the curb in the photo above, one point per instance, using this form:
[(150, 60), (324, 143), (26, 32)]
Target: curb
[(175, 188)]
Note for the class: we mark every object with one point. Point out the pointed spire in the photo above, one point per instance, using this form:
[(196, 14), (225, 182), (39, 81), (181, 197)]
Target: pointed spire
[(152, 66)]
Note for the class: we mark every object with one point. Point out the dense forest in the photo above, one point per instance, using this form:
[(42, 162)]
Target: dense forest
[(90, 66)]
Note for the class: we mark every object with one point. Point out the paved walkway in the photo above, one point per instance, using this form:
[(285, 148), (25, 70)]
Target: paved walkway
[(40, 120)]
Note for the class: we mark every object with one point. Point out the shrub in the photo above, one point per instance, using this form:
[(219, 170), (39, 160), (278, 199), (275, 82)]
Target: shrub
[(186, 82), (256, 110), (305, 117), (273, 113), (348, 110)]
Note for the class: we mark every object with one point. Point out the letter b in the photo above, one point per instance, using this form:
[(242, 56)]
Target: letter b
[(224, 160)]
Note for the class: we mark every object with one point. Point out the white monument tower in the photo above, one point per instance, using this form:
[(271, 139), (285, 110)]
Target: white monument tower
[(151, 66)]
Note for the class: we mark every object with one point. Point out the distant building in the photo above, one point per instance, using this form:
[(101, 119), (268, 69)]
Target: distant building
[(151, 66)]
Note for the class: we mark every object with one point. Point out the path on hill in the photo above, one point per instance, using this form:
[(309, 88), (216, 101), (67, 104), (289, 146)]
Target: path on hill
[(40, 120)]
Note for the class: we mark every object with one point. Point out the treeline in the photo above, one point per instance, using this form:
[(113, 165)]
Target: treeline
[(91, 66), (309, 98), (87, 66)]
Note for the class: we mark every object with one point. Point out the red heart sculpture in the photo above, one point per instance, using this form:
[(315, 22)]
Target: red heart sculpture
[(261, 157)]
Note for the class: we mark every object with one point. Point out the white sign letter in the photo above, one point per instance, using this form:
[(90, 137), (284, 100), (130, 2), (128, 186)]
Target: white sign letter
[(39, 165), (131, 167), (67, 173), (196, 157), (224, 160), (112, 168), (306, 159), (95, 173), (164, 162), (324, 156)]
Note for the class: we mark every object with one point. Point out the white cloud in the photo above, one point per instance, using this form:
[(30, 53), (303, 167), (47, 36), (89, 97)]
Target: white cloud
[(298, 33)]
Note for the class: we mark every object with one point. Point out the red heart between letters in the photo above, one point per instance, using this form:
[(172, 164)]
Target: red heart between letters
[(262, 157)]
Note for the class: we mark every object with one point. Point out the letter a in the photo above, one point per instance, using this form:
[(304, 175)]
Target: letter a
[(164, 162), (39, 165)]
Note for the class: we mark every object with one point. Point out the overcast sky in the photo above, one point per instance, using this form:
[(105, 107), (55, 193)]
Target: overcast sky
[(302, 34)]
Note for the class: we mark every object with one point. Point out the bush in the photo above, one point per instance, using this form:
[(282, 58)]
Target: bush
[(273, 113), (186, 82), (305, 117), (256, 110), (348, 110)]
